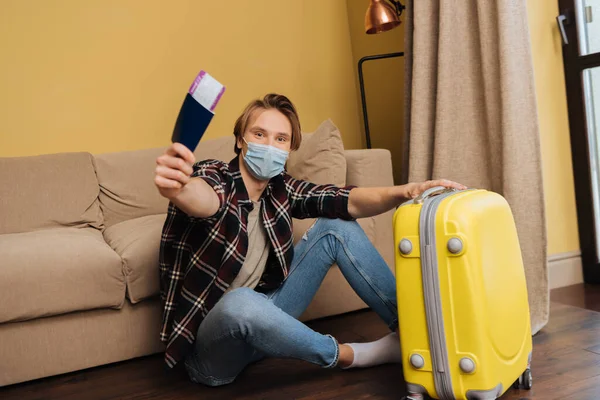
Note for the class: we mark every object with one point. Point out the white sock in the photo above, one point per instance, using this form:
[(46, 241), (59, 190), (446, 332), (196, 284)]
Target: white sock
[(382, 351)]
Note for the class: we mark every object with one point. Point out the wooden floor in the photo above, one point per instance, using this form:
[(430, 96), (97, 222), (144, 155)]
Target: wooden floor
[(566, 365)]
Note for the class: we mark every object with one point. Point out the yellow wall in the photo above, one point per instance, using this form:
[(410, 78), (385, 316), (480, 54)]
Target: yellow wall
[(554, 127), (384, 83), (110, 75)]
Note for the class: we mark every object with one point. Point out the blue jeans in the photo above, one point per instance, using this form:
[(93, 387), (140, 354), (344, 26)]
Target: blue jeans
[(245, 326)]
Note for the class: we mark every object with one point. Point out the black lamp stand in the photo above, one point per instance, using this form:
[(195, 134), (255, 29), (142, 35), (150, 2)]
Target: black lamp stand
[(362, 88)]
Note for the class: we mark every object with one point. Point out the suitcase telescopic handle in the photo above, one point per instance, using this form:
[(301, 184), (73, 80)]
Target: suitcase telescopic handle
[(434, 191)]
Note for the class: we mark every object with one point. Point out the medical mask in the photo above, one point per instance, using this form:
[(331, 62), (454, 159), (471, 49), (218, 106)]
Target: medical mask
[(264, 161)]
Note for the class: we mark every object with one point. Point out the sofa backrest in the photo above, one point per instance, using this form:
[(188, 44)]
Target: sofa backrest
[(48, 191), (126, 179), (126, 185), (320, 158)]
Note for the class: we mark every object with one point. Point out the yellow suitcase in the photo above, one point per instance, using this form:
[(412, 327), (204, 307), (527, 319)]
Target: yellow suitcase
[(462, 298)]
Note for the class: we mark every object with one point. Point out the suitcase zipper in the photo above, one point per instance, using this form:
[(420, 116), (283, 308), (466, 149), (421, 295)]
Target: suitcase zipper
[(431, 290)]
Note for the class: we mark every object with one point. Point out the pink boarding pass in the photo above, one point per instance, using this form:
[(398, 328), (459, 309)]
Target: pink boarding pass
[(207, 91)]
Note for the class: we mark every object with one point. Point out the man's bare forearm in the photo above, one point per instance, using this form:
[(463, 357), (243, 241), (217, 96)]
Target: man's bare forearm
[(197, 199), (367, 202)]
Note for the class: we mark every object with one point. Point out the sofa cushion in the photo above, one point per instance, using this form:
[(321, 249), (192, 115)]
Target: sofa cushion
[(320, 158), (48, 191), (126, 179), (55, 271), (217, 149), (127, 187), (137, 241)]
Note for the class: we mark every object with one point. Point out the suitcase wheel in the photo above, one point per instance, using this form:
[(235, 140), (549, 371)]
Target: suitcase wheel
[(526, 380)]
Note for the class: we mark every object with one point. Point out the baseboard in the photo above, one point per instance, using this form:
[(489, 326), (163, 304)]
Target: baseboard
[(564, 269)]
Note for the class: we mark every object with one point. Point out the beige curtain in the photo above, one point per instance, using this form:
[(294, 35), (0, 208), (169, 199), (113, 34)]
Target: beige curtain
[(471, 114)]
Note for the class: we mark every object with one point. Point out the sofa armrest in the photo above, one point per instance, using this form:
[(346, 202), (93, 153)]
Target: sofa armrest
[(371, 168)]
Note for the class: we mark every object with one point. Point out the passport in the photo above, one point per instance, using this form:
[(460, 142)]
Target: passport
[(197, 110)]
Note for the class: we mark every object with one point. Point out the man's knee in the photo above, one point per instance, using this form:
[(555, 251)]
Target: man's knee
[(241, 304), (339, 225)]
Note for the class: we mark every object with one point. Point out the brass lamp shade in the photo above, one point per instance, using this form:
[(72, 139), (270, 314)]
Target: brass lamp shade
[(380, 17)]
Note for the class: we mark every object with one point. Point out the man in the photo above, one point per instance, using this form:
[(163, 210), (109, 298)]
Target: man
[(233, 284)]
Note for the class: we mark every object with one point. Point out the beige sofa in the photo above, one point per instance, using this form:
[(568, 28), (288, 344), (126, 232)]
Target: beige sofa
[(79, 243)]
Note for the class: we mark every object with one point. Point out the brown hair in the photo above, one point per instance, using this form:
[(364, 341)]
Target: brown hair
[(270, 101)]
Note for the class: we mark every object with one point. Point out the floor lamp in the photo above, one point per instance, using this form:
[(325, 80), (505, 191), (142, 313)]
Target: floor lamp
[(381, 16)]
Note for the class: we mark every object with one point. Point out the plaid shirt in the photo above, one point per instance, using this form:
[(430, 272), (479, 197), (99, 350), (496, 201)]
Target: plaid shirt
[(200, 257)]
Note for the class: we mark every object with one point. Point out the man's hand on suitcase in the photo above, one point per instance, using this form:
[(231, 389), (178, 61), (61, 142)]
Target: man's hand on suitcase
[(415, 189), (369, 201)]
